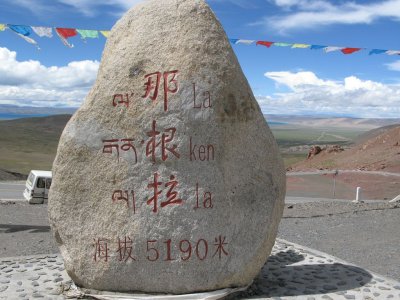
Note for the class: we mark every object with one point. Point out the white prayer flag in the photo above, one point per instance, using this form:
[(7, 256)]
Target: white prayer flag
[(43, 31)]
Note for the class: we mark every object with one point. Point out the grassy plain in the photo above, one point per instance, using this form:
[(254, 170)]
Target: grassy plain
[(289, 135), (30, 143)]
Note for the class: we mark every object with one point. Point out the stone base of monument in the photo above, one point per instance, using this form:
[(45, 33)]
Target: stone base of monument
[(292, 272), (74, 292)]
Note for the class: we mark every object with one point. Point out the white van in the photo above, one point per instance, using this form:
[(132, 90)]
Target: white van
[(37, 186)]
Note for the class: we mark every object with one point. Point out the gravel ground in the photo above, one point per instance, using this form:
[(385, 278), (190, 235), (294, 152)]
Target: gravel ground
[(365, 234), (25, 230)]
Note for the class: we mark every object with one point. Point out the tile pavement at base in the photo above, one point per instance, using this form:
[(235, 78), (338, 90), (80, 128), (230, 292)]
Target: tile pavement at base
[(292, 272)]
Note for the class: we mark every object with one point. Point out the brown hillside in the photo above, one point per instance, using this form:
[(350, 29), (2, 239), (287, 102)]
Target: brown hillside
[(381, 152), (29, 143)]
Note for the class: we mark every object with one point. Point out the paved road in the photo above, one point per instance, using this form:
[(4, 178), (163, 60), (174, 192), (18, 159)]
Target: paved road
[(11, 190), (300, 200), (14, 190), (301, 173)]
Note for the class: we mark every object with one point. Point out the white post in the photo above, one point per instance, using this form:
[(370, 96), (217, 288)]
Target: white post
[(358, 196)]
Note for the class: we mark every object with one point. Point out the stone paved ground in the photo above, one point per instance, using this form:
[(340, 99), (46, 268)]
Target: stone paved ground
[(30, 277), (292, 272)]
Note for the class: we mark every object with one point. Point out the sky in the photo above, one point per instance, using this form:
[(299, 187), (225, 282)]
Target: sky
[(284, 80)]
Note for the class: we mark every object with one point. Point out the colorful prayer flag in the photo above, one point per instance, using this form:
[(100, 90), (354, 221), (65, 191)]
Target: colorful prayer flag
[(393, 52), (21, 29), (233, 41), (377, 51), (265, 43), (317, 47), (302, 46), (65, 33), (106, 33), (350, 50), (282, 44), (247, 42), (88, 33), (332, 48), (3, 27), (43, 31)]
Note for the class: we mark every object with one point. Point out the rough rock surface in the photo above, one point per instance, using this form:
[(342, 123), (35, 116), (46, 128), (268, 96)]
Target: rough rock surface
[(167, 179)]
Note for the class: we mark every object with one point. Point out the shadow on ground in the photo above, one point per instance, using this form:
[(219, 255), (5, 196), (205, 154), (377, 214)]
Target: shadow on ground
[(9, 228), (280, 278)]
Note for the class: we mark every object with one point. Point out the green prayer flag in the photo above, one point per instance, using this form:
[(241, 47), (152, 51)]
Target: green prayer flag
[(88, 33)]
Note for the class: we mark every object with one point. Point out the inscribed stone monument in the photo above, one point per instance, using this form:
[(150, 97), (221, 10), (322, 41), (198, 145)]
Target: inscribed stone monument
[(167, 179)]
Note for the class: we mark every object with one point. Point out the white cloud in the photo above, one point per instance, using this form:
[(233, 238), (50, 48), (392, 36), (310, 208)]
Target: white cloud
[(86, 7), (39, 8), (31, 83), (394, 66), (299, 80), (316, 13), (310, 94), (241, 3), (303, 4)]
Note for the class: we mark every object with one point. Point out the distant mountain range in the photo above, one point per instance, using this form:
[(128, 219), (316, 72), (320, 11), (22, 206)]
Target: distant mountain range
[(329, 122), (13, 111), (321, 121)]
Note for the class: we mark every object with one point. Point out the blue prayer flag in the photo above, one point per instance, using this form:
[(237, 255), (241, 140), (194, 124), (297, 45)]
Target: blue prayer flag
[(376, 51), (21, 29), (316, 47)]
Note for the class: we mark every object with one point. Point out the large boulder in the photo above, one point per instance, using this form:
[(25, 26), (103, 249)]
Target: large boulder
[(167, 179)]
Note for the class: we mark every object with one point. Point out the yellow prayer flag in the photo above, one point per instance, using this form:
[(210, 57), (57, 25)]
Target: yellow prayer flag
[(2, 27), (106, 33), (304, 46)]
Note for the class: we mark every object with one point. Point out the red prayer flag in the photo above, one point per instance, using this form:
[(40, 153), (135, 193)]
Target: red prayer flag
[(66, 32), (264, 43), (350, 50)]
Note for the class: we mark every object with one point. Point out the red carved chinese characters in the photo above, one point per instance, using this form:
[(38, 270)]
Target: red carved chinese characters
[(220, 244), (171, 194), (119, 99), (101, 250), (166, 138), (126, 145), (159, 144), (125, 249), (167, 251), (152, 85)]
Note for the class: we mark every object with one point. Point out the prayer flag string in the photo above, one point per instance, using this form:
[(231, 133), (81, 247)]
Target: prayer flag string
[(26, 31), (326, 49)]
